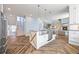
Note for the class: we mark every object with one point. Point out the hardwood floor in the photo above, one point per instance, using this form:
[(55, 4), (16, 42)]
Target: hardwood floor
[(18, 45), (58, 46), (21, 45)]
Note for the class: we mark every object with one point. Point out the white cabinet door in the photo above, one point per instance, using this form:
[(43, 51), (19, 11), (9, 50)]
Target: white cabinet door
[(43, 38), (74, 37), (74, 14), (74, 24)]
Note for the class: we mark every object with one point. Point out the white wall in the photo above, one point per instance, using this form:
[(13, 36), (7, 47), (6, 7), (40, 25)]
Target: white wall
[(12, 19)]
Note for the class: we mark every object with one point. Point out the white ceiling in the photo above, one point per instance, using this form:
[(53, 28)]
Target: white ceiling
[(33, 10)]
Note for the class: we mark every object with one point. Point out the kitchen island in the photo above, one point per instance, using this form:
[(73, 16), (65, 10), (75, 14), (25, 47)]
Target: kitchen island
[(40, 38)]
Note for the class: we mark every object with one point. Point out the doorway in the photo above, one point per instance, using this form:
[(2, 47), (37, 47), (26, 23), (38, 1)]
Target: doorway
[(20, 25)]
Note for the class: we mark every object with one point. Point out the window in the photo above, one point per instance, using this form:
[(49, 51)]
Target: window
[(20, 22), (11, 29)]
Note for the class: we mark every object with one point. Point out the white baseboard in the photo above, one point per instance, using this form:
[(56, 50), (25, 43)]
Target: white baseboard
[(73, 43)]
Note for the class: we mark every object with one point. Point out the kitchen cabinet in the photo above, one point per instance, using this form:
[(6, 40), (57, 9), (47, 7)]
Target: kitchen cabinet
[(40, 39), (74, 25)]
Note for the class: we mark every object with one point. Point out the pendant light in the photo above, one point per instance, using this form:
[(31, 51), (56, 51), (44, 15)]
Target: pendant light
[(38, 9)]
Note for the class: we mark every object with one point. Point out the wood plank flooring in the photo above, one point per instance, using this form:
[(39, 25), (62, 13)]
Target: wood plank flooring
[(18, 45), (58, 46), (21, 45)]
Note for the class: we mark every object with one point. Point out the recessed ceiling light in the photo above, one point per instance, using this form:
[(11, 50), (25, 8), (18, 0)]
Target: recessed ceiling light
[(9, 9), (38, 6), (31, 15), (45, 9), (10, 14)]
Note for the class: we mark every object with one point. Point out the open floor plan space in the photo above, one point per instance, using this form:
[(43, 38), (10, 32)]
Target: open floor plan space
[(39, 29)]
